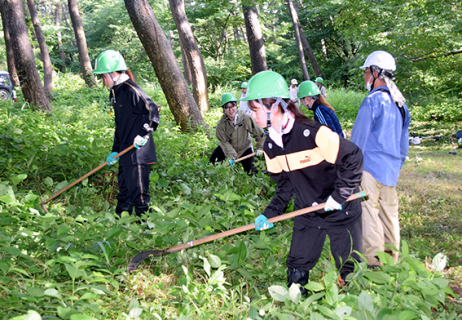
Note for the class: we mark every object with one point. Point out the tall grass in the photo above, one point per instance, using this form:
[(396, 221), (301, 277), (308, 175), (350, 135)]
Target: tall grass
[(73, 259)]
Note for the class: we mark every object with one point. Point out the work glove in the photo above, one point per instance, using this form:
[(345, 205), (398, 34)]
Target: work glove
[(110, 158), (232, 162), (261, 223), (259, 152), (140, 141), (331, 204)]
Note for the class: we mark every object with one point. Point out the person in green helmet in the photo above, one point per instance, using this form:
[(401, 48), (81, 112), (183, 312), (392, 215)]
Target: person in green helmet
[(310, 96), (320, 84), (311, 162), (136, 117), (243, 105), (233, 132)]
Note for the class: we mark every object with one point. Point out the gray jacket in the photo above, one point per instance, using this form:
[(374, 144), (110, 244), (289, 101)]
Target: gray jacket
[(235, 139)]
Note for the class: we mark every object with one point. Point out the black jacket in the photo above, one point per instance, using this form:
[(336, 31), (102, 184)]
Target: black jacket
[(133, 109), (314, 164)]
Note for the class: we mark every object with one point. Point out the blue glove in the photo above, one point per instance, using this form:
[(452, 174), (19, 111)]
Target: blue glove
[(232, 162), (110, 158), (261, 223), (140, 141)]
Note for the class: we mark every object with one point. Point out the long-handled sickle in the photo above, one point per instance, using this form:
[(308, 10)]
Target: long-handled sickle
[(136, 260), (245, 157), (83, 177)]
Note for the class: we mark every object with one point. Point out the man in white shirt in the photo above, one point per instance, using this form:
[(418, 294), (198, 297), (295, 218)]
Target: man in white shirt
[(244, 105), (293, 89), (320, 84)]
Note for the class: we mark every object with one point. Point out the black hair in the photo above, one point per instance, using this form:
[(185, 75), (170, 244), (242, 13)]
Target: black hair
[(268, 102), (234, 103)]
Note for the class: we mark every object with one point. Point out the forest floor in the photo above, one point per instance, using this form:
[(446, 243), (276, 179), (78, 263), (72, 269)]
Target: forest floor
[(430, 193)]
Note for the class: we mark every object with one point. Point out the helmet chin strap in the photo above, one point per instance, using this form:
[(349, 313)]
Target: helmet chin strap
[(379, 71), (269, 109), (112, 79), (111, 88)]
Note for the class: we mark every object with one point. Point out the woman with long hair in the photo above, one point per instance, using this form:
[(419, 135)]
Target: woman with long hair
[(309, 161), (136, 117), (312, 99)]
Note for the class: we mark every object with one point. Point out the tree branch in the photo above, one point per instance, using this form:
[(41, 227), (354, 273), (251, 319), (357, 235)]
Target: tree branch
[(433, 55)]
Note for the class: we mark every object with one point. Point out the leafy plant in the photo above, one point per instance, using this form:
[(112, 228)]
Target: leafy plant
[(70, 263)]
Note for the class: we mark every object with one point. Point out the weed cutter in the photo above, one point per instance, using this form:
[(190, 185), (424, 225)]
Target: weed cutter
[(245, 157), (136, 260), (83, 177)]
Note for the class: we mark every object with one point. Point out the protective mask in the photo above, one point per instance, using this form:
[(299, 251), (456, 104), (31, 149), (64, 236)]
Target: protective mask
[(368, 84)]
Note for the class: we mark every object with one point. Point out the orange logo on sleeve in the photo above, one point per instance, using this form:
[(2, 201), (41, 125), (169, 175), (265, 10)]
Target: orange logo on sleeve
[(306, 160)]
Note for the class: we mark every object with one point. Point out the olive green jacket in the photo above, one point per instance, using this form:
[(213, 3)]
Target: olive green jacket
[(235, 139)]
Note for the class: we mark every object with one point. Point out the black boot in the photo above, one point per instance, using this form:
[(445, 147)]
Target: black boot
[(123, 207), (298, 276), (142, 208)]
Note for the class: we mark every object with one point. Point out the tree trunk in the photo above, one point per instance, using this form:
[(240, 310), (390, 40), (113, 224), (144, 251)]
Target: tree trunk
[(58, 35), (186, 67), (84, 59), (63, 7), (31, 85), (30, 27), (9, 48), (47, 67), (168, 72), (296, 23), (192, 54), (309, 52), (255, 38)]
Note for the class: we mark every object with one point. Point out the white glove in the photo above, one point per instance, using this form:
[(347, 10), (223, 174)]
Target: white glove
[(140, 141), (259, 152), (331, 204)]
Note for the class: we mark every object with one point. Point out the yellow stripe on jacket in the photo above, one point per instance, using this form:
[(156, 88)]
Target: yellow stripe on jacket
[(328, 143)]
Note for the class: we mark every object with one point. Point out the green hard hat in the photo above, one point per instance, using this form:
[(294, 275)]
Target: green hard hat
[(244, 84), (307, 89), (267, 84), (109, 61), (227, 97), (319, 79)]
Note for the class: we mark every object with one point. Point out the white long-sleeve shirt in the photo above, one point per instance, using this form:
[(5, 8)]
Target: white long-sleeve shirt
[(244, 105)]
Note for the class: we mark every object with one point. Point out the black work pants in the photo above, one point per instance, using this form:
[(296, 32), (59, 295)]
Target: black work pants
[(133, 189), (218, 155), (307, 243)]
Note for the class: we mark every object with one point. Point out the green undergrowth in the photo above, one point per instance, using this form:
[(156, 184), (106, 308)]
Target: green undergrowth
[(71, 262)]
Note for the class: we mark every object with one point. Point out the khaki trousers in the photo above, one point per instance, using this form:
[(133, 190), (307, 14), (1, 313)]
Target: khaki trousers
[(380, 219)]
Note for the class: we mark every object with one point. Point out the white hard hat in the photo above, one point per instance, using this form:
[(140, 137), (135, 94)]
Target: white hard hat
[(294, 81), (381, 59)]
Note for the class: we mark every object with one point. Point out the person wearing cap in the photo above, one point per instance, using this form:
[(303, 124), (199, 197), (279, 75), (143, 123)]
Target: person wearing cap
[(293, 92), (324, 113), (381, 131), (233, 132), (136, 117), (243, 105), (311, 162), (320, 84)]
